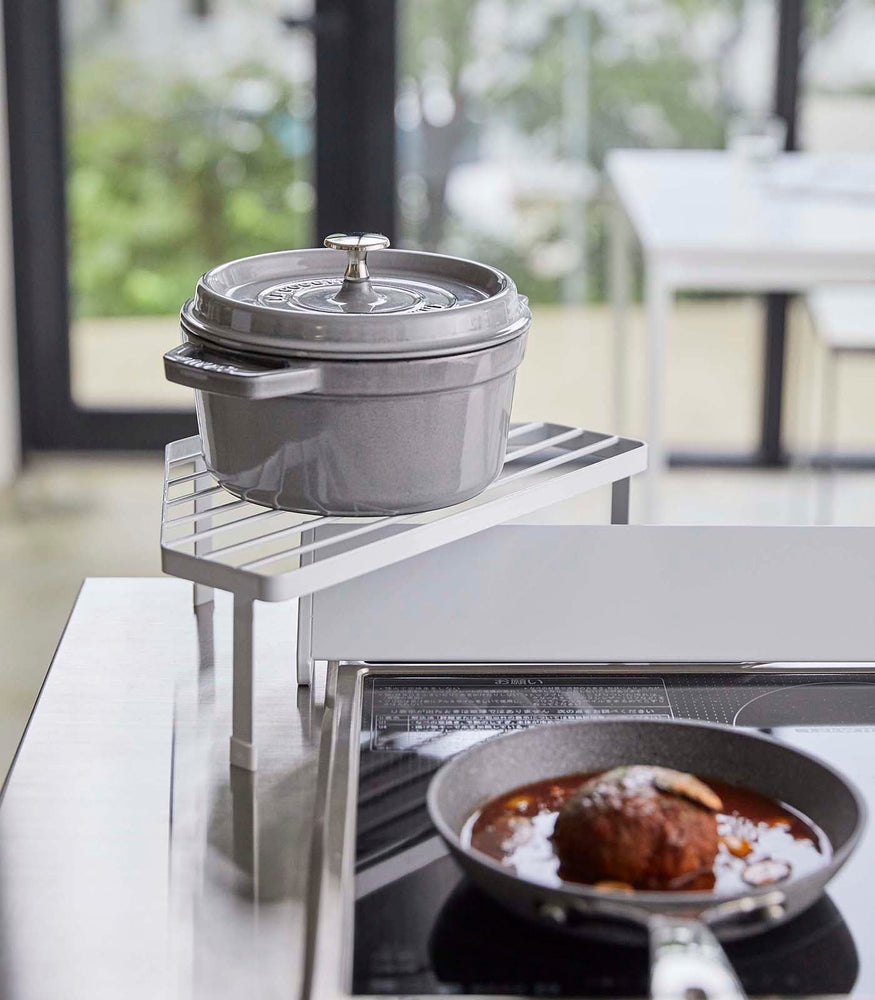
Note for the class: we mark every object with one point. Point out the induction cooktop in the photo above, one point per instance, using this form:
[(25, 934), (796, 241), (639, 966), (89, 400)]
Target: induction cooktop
[(420, 926)]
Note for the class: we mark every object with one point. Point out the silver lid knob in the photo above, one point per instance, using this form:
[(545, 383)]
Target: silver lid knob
[(357, 246)]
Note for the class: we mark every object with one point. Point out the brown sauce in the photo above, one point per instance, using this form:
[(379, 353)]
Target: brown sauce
[(762, 841)]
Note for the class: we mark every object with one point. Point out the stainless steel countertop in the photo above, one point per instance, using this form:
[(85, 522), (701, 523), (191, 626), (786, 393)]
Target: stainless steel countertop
[(133, 861)]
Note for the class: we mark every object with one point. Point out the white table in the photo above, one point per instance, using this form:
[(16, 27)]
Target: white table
[(705, 221)]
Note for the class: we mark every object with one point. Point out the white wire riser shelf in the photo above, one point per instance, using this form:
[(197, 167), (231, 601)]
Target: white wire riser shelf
[(217, 540)]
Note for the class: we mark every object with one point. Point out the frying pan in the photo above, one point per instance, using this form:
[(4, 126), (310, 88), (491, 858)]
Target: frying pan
[(683, 927)]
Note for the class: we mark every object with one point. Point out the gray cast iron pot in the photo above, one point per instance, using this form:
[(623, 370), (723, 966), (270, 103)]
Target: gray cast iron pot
[(352, 394), (352, 437)]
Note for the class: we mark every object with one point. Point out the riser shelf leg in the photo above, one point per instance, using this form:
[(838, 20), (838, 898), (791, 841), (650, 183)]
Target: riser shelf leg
[(305, 620), (243, 752), (202, 593), (620, 501)]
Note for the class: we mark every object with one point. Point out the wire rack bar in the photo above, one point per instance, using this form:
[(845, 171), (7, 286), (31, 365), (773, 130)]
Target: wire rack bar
[(513, 454), (254, 554), (205, 514), (210, 532)]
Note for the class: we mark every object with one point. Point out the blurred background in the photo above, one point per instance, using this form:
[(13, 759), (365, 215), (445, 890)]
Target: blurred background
[(152, 139)]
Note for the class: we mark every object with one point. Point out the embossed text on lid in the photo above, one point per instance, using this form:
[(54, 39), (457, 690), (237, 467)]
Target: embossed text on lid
[(362, 302)]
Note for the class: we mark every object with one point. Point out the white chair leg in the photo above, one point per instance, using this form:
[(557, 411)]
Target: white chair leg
[(618, 275), (658, 299)]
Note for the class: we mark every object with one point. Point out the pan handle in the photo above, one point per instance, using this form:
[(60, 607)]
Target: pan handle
[(687, 962), (193, 366)]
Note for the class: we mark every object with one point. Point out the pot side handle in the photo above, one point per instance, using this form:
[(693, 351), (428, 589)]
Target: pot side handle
[(687, 962), (192, 366)]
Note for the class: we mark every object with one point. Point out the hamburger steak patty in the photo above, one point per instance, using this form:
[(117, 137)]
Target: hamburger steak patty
[(649, 827)]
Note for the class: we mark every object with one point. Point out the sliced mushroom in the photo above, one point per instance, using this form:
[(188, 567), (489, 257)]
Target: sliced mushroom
[(688, 786), (766, 871), (666, 779)]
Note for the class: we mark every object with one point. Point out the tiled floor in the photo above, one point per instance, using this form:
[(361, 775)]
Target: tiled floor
[(70, 517)]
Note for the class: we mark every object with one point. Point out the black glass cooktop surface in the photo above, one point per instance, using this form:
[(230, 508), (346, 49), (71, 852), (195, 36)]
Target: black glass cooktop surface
[(421, 927)]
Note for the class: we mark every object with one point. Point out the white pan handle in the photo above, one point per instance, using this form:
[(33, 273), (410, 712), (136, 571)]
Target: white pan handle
[(687, 962), (191, 365)]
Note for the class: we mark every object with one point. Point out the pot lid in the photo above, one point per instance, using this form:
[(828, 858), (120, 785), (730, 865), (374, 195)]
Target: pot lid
[(372, 302)]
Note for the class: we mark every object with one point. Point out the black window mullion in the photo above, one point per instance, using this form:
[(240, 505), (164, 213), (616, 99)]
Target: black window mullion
[(36, 148), (771, 451), (355, 116)]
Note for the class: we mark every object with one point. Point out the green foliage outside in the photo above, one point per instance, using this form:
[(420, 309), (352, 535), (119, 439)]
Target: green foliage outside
[(168, 176), (165, 180), (662, 96)]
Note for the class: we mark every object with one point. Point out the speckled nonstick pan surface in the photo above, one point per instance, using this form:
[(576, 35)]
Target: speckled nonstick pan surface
[(747, 759)]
